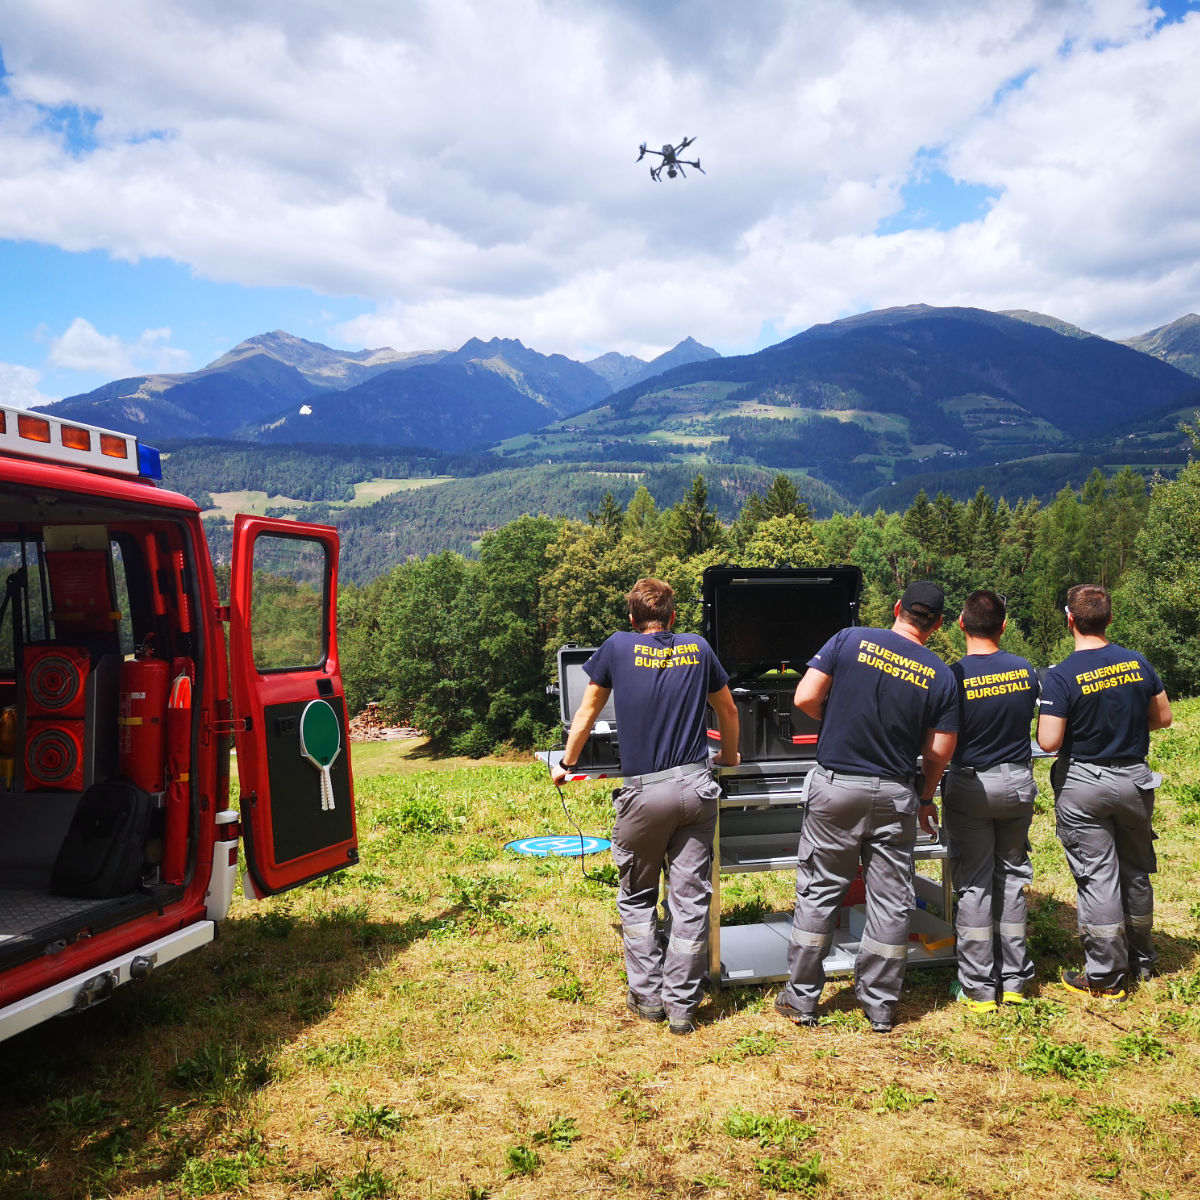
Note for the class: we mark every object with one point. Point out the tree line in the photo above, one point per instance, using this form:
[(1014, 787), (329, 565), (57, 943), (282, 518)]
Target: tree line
[(465, 648)]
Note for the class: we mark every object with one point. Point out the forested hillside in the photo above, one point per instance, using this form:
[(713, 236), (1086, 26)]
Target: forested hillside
[(455, 515), (865, 412), (464, 648)]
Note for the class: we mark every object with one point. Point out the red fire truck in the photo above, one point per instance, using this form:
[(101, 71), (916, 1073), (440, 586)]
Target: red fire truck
[(124, 678)]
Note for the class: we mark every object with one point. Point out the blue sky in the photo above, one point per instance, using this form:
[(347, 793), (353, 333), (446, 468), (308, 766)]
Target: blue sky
[(177, 176)]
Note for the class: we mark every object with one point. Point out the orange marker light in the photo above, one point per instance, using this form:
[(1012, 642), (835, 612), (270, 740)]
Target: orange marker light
[(33, 428), (75, 438), (114, 447)]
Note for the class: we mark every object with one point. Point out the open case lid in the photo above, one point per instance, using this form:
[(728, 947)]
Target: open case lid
[(760, 619), (573, 681)]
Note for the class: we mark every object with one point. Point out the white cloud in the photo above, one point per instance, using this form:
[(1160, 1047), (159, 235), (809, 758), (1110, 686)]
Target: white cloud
[(82, 347), (19, 386), (466, 166)]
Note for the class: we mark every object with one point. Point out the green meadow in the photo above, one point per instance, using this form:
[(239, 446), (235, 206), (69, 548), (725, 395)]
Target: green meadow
[(447, 1020)]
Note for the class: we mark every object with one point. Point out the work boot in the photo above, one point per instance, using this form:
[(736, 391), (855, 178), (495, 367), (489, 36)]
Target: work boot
[(795, 1015), (647, 1012), (1077, 982)]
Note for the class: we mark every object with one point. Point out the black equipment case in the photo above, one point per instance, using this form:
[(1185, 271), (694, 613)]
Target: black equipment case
[(765, 623), (601, 754)]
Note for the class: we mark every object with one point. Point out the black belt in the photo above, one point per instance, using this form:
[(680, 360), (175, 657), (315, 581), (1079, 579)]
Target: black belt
[(1111, 762)]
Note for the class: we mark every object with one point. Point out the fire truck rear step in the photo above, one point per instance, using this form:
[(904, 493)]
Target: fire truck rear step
[(81, 990)]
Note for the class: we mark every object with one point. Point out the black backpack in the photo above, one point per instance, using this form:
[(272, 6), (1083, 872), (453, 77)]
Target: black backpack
[(103, 853)]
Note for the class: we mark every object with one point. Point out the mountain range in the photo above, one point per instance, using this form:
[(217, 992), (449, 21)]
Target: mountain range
[(279, 388), (860, 412)]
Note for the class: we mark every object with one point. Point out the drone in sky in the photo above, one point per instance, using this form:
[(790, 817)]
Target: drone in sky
[(671, 162)]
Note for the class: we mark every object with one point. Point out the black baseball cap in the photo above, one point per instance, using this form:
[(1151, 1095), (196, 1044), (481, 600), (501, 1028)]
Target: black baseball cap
[(923, 598)]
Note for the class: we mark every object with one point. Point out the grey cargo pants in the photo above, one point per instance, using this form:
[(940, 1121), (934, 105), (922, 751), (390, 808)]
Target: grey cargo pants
[(988, 814), (1103, 817), (848, 817), (672, 821)]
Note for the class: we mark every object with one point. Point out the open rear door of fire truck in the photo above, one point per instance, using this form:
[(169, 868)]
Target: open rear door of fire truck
[(289, 715)]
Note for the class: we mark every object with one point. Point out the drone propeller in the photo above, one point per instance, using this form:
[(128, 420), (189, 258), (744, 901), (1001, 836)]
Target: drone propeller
[(687, 141), (641, 152)]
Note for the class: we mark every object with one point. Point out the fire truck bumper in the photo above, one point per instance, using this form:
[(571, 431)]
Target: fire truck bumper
[(98, 983)]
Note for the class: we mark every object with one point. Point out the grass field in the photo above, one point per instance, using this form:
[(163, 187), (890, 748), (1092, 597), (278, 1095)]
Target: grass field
[(229, 504), (448, 1020)]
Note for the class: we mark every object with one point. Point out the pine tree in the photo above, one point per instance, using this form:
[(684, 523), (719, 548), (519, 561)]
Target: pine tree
[(920, 523), (692, 527), (1155, 610)]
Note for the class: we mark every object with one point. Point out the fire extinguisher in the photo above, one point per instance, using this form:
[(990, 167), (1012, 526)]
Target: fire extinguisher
[(141, 719), (179, 771)]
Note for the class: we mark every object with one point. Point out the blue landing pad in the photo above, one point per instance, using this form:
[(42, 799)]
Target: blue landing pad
[(571, 846)]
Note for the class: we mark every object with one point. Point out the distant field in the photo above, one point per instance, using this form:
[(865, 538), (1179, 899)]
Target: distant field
[(695, 397), (683, 437), (875, 422), (229, 504), (371, 490)]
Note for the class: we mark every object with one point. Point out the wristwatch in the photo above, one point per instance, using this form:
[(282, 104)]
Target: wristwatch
[(567, 766)]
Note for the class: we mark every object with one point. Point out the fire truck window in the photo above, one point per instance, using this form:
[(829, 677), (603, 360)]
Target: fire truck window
[(22, 597), (287, 612)]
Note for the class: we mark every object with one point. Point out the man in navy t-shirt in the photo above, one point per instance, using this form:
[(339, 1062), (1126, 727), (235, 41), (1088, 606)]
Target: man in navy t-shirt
[(661, 683), (989, 792), (1098, 707), (883, 700)]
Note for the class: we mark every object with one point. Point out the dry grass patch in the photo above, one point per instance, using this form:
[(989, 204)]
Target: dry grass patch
[(448, 1021)]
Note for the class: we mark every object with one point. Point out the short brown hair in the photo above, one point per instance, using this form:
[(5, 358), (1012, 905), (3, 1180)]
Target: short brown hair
[(651, 602), (983, 614), (922, 622), (1091, 606)]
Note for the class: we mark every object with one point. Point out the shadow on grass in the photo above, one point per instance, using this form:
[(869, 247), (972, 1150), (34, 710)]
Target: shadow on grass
[(1054, 944), (1054, 941), (133, 1087)]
